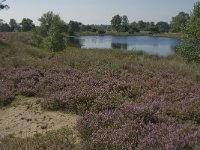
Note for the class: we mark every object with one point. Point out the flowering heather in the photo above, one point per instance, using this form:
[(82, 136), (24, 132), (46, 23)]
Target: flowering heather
[(77, 91), (6, 92), (21, 81), (135, 126)]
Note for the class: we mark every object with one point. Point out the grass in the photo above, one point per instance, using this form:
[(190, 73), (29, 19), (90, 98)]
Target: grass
[(62, 139), (115, 91)]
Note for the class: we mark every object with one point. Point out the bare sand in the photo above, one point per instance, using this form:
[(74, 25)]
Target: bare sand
[(25, 118)]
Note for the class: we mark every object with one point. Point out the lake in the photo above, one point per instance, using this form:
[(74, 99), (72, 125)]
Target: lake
[(151, 45)]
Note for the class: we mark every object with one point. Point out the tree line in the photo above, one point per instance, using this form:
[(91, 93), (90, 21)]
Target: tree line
[(121, 24), (118, 23), (24, 26)]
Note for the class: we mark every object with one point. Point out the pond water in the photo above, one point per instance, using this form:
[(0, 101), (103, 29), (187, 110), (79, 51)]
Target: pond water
[(151, 45)]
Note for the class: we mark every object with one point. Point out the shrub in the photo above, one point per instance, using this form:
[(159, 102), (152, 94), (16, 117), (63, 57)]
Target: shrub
[(190, 52)]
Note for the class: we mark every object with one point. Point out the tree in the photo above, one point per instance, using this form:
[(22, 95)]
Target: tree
[(192, 29), (2, 6), (74, 26), (124, 24), (141, 25), (179, 21), (4, 27), (190, 49), (14, 26), (51, 32), (46, 21), (55, 39), (27, 25), (133, 27), (163, 26), (116, 22)]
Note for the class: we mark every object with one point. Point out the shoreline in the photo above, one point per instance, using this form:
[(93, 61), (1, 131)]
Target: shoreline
[(167, 35)]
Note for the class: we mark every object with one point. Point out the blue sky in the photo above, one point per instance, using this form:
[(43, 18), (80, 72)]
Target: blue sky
[(97, 11)]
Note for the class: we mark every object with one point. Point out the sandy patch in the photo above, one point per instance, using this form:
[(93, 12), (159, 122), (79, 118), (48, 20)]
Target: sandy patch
[(26, 118)]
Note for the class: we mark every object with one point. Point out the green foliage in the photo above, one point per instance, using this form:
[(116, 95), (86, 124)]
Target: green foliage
[(179, 21), (50, 33), (124, 24), (190, 52), (120, 23), (116, 22), (2, 6), (27, 25), (55, 39), (14, 26), (4, 27), (190, 49), (133, 27), (163, 26), (141, 25), (74, 26)]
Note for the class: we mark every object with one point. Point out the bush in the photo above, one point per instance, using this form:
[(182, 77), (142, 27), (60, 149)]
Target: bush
[(190, 49), (190, 52)]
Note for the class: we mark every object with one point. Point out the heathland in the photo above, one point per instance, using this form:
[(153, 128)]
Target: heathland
[(56, 97), (96, 99)]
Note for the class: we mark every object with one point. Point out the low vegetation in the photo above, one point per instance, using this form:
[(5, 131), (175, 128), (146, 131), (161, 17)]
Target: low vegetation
[(61, 139), (123, 100)]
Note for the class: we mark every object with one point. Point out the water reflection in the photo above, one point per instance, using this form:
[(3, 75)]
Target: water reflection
[(74, 42), (119, 46), (151, 45)]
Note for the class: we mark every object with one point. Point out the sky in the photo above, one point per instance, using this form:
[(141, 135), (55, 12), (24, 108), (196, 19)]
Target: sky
[(97, 11)]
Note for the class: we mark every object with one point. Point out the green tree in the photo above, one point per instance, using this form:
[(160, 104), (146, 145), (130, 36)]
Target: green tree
[(141, 25), (124, 24), (2, 6), (4, 27), (55, 39), (14, 26), (163, 26), (27, 25), (133, 27), (179, 21), (116, 22), (190, 49), (46, 22), (51, 32), (74, 26)]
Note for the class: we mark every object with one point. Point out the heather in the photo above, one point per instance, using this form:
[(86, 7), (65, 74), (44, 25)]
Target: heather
[(124, 102), (136, 126)]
